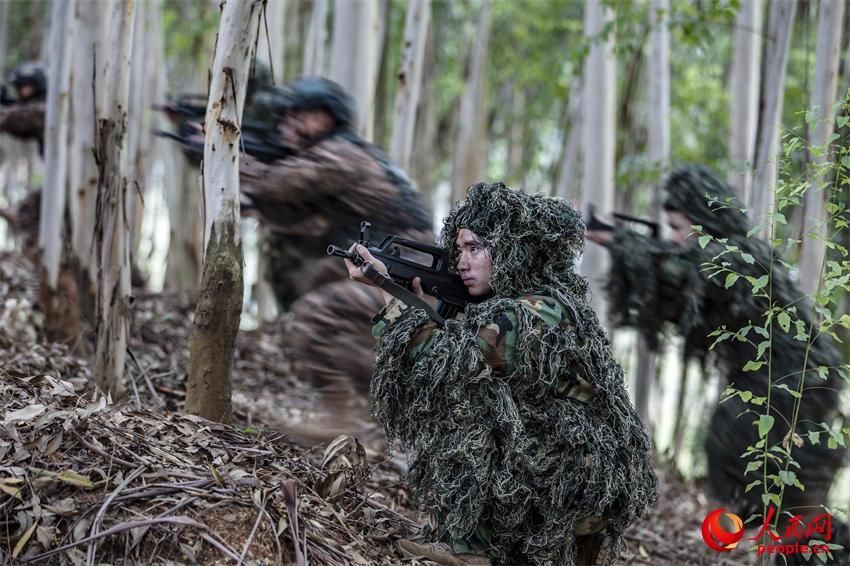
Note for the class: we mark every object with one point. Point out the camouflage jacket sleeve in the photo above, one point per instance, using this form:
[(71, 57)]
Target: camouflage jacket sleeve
[(651, 281), (23, 120), (298, 190), (496, 339)]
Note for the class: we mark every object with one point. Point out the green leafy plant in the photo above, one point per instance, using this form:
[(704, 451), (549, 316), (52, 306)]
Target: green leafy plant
[(771, 460)]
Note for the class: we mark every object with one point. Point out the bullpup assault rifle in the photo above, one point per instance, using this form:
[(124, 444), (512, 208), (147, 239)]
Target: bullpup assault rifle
[(187, 111), (407, 260), (592, 222)]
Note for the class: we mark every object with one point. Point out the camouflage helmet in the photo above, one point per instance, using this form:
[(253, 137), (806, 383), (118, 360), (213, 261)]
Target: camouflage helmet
[(313, 93), (30, 74)]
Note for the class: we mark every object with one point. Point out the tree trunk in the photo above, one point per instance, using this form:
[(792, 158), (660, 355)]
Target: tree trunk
[(745, 97), (568, 184), (774, 63), (4, 34), (471, 148), (86, 109), (112, 231), (423, 154), (659, 158), (383, 83), (355, 53), (58, 287), (409, 81), (184, 198), (317, 37), (598, 171), (219, 304), (143, 89), (44, 49), (262, 291), (516, 135), (824, 87)]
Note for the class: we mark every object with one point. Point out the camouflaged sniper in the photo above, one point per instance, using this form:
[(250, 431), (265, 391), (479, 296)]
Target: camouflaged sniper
[(654, 283), (516, 420)]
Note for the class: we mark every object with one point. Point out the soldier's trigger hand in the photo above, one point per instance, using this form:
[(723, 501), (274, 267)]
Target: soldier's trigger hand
[(417, 287)]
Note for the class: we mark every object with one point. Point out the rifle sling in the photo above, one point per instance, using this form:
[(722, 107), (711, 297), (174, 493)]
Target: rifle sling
[(383, 282)]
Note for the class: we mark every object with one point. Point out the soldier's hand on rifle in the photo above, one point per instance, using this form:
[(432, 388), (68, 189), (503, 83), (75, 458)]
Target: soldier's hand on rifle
[(356, 273), (598, 231), (601, 237)]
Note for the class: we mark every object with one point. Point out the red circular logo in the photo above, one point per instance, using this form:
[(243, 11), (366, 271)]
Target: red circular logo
[(716, 536)]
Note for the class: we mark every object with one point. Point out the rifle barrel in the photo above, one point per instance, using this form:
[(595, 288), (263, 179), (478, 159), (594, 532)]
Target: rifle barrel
[(340, 252)]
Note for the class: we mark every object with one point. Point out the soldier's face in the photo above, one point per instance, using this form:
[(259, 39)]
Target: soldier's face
[(25, 92), (473, 263), (680, 226), (299, 128)]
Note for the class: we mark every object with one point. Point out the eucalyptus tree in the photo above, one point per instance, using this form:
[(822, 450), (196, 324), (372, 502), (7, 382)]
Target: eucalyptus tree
[(598, 136), (410, 81), (658, 153), (773, 71), (87, 97), (470, 147), (355, 53), (112, 230), (219, 306), (824, 91), (744, 82), (58, 289), (316, 46)]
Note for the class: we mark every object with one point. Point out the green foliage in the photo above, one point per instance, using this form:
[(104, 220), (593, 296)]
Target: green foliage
[(27, 28), (189, 28), (771, 457)]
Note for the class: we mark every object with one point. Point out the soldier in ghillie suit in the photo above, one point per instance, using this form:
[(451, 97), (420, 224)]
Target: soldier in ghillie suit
[(520, 434), (318, 194), (22, 115), (656, 282)]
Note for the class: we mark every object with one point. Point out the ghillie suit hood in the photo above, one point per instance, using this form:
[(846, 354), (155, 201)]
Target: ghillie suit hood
[(654, 282), (511, 455)]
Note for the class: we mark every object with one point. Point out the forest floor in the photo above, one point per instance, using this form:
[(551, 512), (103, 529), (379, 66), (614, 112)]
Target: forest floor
[(83, 481)]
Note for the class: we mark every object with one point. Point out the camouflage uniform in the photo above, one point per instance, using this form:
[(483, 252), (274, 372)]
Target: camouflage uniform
[(23, 116), (314, 197), (654, 283), (519, 431)]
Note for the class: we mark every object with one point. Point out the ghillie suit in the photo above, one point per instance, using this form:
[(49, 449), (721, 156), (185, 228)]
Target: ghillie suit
[(22, 116), (316, 196), (519, 430), (653, 283)]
